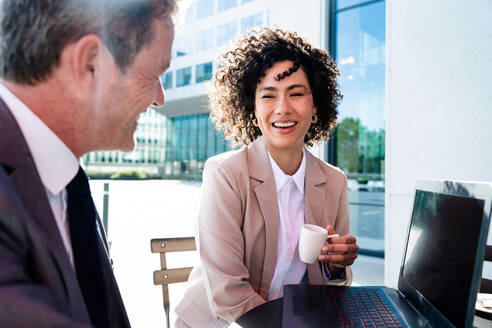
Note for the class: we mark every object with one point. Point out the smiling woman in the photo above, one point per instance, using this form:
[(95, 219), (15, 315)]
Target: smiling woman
[(240, 70), (276, 94), (284, 110)]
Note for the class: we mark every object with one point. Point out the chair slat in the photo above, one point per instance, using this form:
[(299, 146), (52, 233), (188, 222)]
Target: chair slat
[(173, 244), (171, 276), (166, 276)]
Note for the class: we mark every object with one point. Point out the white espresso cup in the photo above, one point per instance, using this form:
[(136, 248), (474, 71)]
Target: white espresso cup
[(311, 240)]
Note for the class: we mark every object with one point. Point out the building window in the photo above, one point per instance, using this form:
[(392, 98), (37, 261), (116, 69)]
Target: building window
[(224, 5), (250, 22), (359, 50), (183, 46), (226, 32), (190, 140), (203, 72), (204, 8), (348, 3), (205, 40), (167, 80), (183, 77), (190, 13)]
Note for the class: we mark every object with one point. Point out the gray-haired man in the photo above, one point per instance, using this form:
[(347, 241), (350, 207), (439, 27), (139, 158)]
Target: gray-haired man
[(75, 75)]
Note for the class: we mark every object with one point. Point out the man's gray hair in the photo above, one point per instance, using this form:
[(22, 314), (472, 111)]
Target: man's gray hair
[(33, 33)]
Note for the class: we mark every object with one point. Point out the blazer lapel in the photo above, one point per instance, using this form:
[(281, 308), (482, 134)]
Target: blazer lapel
[(315, 199), (14, 154), (266, 192)]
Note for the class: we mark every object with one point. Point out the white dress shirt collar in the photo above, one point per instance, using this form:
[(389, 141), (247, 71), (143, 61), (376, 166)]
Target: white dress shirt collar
[(281, 178), (56, 163)]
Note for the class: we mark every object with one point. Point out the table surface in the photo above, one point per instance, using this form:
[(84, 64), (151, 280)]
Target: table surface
[(269, 314)]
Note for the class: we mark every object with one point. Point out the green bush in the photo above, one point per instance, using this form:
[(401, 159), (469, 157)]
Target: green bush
[(99, 175), (128, 175)]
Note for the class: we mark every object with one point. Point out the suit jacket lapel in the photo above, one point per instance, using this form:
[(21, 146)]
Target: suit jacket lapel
[(315, 201), (266, 192), (14, 153), (314, 194)]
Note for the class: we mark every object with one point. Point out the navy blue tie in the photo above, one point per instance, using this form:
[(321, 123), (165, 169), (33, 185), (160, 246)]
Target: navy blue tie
[(86, 251)]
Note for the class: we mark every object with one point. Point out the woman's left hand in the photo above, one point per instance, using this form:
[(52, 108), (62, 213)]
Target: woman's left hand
[(338, 252)]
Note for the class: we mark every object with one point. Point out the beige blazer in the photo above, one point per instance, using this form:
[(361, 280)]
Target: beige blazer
[(237, 232)]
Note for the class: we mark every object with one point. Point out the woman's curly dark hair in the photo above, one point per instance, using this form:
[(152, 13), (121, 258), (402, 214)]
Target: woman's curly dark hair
[(232, 102)]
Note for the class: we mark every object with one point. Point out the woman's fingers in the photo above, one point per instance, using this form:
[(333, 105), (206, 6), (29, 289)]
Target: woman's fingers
[(340, 248), (340, 251)]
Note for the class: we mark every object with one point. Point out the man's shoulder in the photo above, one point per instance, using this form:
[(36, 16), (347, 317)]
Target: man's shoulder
[(12, 211)]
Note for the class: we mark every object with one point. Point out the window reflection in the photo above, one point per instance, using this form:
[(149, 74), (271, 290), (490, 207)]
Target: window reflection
[(167, 80), (347, 3), (205, 40), (251, 21), (183, 77), (226, 32), (190, 140), (360, 55), (224, 5), (204, 8), (190, 13), (183, 46), (203, 72)]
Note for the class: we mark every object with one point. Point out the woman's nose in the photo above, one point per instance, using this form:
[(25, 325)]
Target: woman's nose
[(282, 105)]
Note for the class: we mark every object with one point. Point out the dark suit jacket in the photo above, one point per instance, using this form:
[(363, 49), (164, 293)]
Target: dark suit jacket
[(38, 285)]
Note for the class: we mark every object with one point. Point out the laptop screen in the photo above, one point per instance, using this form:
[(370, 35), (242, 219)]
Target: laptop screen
[(440, 258)]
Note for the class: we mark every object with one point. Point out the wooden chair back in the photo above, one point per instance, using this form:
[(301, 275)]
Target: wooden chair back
[(166, 276)]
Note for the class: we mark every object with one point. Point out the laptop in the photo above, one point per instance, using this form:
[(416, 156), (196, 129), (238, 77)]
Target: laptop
[(439, 274)]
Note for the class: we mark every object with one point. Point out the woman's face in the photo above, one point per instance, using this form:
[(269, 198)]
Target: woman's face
[(284, 108)]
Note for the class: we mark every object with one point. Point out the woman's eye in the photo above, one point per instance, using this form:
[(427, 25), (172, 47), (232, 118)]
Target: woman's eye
[(266, 96), (296, 94)]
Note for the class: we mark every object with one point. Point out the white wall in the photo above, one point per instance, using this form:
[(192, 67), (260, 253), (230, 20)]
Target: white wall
[(438, 103), (302, 17)]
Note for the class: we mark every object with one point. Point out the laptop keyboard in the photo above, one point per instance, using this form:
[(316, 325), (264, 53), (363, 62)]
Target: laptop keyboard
[(364, 307)]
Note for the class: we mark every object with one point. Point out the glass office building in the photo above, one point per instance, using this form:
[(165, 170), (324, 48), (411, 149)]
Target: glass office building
[(190, 140), (148, 154), (357, 42)]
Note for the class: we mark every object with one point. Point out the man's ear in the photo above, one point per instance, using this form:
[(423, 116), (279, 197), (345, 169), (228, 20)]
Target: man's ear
[(86, 60)]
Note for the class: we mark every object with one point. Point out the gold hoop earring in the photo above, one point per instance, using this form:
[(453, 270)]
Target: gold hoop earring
[(255, 122), (315, 118)]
